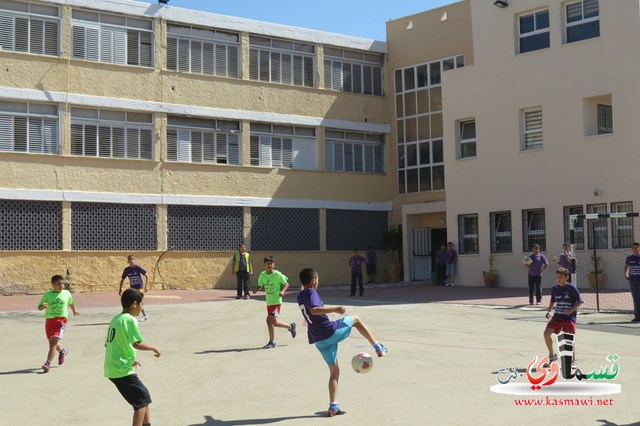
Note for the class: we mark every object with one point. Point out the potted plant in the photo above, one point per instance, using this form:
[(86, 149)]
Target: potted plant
[(490, 277), (596, 270), (392, 240)]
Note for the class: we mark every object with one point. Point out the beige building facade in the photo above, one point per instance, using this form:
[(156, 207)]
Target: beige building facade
[(175, 135)]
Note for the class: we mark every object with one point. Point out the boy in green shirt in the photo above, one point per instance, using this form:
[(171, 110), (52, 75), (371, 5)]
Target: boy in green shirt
[(275, 286), (55, 302), (123, 339)]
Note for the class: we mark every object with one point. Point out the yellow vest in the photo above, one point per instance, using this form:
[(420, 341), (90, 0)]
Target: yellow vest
[(236, 264)]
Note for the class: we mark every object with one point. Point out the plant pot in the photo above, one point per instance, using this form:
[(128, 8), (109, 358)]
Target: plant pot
[(490, 279), (592, 280), (393, 272)]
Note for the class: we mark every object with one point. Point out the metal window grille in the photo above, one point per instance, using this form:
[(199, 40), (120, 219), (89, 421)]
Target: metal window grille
[(533, 229), (532, 124), (102, 226), (605, 119), (30, 225), (598, 232), (468, 233), (578, 237), (622, 235), (284, 229), (25, 27), (349, 229), (501, 232), (205, 228)]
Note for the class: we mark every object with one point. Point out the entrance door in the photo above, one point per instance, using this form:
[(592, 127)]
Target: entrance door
[(421, 251)]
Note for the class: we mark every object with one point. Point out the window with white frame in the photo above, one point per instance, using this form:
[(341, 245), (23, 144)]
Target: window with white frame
[(468, 233), (501, 234), (467, 138), (354, 152), (292, 147), (532, 129), (578, 227), (114, 39), (533, 229), (202, 51), (533, 29), (111, 134), (195, 140), (351, 71), (598, 229), (622, 235), (28, 127), (29, 27), (281, 61), (582, 20)]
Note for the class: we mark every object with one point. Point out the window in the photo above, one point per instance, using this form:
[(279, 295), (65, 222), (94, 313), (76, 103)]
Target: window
[(534, 31), (281, 61), (582, 20), (605, 119), (354, 152), (111, 134), (346, 229), (622, 228), (467, 138), (283, 146), (112, 38), (419, 126), (532, 129), (202, 51), (598, 230), (500, 232), (468, 233), (30, 225), (28, 27), (578, 227), (533, 229), (195, 140), (350, 71), (28, 127)]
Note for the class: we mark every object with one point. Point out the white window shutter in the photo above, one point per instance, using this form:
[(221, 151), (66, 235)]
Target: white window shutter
[(92, 45), (79, 42), (6, 132), (221, 60), (77, 139), (232, 65), (133, 143), (196, 147), (172, 145), (36, 36), (208, 56), (287, 153), (339, 157), (119, 142), (328, 156), (265, 151), (172, 53), (184, 55), (233, 156), (120, 46), (184, 145), (196, 57), (104, 141), (210, 145), (7, 31), (22, 34), (51, 38)]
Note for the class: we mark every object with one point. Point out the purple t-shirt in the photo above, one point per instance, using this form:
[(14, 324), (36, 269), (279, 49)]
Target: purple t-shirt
[(565, 262), (356, 263), (451, 256), (320, 327), (535, 269), (565, 297), (441, 257), (134, 273), (633, 262)]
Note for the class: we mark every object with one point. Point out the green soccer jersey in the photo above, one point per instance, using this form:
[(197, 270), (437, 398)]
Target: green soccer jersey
[(272, 284), (120, 353), (57, 304)]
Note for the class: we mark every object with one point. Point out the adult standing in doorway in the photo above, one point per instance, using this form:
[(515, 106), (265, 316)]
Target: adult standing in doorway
[(632, 273), (536, 264), (242, 270), (451, 260)]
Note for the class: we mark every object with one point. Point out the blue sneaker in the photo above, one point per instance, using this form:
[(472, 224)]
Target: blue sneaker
[(292, 329), (334, 410), (380, 349)]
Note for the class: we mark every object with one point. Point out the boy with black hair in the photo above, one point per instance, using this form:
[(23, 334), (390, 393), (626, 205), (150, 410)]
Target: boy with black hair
[(326, 334), (123, 339)]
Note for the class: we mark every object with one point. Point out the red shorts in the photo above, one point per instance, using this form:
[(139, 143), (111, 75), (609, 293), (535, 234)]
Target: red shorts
[(273, 310), (54, 327), (562, 325)]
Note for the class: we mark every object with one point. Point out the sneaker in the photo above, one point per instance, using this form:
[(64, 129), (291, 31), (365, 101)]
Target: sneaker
[(144, 318), (635, 320), (246, 297), (238, 297), (46, 366), (270, 345), (380, 349), (61, 356), (552, 358), (574, 365), (292, 329), (334, 410), (537, 303)]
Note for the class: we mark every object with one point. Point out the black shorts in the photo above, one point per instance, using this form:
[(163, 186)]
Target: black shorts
[(133, 391)]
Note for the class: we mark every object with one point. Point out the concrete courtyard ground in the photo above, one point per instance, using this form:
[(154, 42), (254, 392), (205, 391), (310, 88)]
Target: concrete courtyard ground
[(445, 347)]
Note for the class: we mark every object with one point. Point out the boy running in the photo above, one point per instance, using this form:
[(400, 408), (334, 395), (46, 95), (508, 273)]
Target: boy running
[(275, 286), (135, 273), (55, 302)]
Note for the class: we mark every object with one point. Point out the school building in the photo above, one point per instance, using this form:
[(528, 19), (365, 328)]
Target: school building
[(176, 134)]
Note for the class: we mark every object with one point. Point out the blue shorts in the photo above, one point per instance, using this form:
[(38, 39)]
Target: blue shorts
[(329, 347), (451, 268)]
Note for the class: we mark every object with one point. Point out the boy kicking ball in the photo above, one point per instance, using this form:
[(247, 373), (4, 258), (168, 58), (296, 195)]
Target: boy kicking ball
[(326, 334)]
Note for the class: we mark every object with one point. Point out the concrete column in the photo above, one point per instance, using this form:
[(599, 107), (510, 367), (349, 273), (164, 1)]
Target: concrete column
[(162, 227), (323, 230), (66, 226), (245, 52), (246, 231)]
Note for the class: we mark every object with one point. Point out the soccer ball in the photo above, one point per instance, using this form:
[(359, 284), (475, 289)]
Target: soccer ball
[(527, 261), (362, 363)]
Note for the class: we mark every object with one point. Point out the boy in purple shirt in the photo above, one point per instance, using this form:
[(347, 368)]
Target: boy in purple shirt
[(326, 334), (135, 273), (451, 259), (566, 259), (355, 263), (537, 265)]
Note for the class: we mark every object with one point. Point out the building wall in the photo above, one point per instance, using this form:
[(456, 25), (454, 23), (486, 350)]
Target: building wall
[(570, 165)]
